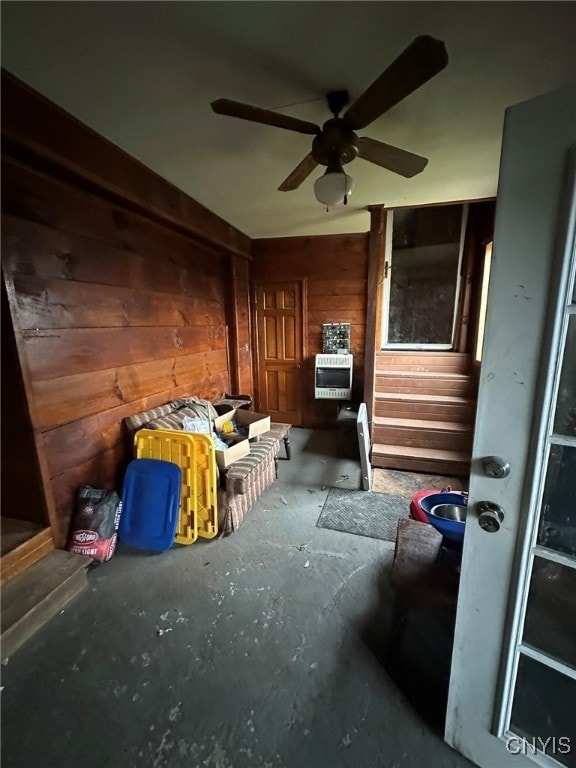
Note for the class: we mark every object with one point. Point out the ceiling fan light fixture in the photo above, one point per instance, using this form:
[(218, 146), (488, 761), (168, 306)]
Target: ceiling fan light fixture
[(333, 187)]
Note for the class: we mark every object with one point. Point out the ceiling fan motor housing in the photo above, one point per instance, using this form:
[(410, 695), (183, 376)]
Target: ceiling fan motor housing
[(336, 145)]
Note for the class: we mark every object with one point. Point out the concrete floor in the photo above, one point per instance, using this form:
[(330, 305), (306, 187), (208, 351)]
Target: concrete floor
[(273, 655)]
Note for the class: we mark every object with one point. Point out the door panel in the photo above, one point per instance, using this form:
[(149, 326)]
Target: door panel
[(270, 338), (513, 680), (280, 332)]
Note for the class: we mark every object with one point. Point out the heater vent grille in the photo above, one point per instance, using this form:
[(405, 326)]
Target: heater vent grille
[(334, 361)]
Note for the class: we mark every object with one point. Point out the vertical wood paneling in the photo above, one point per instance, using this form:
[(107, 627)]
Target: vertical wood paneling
[(336, 271)]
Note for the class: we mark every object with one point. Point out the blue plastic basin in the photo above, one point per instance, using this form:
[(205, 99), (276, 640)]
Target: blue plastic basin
[(450, 529)]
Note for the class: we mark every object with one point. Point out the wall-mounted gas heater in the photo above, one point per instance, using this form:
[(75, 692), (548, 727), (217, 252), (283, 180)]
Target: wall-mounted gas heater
[(333, 377)]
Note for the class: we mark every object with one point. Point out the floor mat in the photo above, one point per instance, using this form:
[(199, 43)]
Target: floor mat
[(407, 484), (363, 513)]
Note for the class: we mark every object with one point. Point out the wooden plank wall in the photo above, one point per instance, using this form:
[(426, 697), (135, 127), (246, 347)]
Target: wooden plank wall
[(335, 268), (113, 312)]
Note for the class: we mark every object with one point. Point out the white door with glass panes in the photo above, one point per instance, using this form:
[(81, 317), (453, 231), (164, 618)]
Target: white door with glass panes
[(422, 276), (512, 697)]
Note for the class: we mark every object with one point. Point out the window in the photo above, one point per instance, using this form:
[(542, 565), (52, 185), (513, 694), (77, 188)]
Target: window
[(422, 276)]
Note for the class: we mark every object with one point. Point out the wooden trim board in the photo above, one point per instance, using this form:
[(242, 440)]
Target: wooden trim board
[(22, 557)]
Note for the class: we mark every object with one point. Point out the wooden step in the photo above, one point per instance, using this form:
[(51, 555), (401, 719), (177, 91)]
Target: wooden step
[(418, 406), (427, 460), (450, 362), (447, 426), (29, 550), (422, 433), (38, 594), (425, 382)]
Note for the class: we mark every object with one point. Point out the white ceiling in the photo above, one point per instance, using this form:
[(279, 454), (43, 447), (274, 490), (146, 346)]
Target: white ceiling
[(143, 74)]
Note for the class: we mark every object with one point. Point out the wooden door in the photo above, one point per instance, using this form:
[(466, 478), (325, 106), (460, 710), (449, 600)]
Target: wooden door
[(280, 344)]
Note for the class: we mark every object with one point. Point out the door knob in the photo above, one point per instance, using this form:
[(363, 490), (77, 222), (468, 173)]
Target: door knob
[(490, 516), (496, 467)]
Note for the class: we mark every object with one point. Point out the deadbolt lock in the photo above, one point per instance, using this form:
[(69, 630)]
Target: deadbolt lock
[(490, 516), (496, 467)]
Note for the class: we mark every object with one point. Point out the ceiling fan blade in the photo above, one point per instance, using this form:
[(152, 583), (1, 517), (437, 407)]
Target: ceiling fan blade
[(257, 115), (393, 158), (301, 172), (423, 59)]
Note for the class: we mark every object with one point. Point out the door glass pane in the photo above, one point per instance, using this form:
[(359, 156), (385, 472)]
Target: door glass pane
[(550, 624), (557, 528), (565, 421), (544, 711), (424, 274)]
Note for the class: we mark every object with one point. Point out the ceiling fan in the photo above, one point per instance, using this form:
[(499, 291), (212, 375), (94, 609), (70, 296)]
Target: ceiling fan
[(336, 143)]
